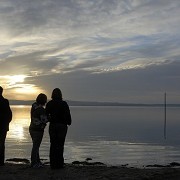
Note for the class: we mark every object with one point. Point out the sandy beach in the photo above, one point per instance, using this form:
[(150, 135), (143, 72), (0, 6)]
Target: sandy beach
[(75, 171)]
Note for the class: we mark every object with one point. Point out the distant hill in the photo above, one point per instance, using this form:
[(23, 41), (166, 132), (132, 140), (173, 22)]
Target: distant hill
[(86, 103), (19, 102)]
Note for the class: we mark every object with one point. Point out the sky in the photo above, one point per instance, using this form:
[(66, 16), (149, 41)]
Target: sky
[(105, 50)]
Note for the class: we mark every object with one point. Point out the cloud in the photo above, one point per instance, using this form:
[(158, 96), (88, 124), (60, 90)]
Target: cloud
[(133, 85)]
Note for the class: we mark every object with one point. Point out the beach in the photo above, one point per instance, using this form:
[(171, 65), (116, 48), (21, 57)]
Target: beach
[(17, 171)]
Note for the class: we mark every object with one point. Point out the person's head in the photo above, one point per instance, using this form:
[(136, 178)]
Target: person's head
[(41, 99), (56, 94), (1, 90)]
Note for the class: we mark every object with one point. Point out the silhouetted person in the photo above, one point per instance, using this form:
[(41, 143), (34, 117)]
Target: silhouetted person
[(36, 128), (5, 119), (59, 117)]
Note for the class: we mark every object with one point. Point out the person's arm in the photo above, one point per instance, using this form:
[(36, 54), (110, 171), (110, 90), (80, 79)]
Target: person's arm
[(47, 110), (8, 111), (41, 113), (68, 114)]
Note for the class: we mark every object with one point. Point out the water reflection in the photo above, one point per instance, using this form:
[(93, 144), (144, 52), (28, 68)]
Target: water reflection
[(118, 153), (17, 133), (113, 135), (20, 121)]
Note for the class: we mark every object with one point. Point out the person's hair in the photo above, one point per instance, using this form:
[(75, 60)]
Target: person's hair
[(56, 94), (41, 99), (1, 90)]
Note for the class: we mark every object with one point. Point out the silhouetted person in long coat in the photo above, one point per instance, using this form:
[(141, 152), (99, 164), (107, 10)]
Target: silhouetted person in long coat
[(5, 118), (59, 117)]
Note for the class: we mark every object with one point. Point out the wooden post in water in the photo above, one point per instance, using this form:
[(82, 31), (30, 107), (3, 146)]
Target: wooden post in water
[(164, 115)]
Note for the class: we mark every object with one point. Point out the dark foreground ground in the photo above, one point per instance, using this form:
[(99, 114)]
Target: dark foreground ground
[(87, 172)]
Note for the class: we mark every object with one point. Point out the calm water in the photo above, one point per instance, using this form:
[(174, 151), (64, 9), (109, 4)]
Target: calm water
[(113, 135)]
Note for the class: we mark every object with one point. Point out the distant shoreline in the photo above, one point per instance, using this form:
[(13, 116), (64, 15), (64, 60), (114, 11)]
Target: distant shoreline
[(86, 103)]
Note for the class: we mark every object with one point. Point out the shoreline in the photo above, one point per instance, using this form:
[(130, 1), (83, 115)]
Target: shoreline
[(90, 171), (90, 162)]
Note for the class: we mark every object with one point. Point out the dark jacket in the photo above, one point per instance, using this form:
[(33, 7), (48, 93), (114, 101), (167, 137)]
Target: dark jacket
[(58, 112), (5, 114), (38, 117)]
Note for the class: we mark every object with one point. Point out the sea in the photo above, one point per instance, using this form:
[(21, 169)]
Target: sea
[(114, 135)]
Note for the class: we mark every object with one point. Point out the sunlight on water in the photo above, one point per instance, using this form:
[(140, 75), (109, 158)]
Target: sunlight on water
[(21, 120), (18, 132)]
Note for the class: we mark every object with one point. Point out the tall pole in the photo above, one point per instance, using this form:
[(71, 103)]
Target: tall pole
[(164, 115)]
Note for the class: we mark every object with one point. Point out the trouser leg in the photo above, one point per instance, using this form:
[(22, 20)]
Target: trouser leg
[(57, 137), (2, 146), (36, 139)]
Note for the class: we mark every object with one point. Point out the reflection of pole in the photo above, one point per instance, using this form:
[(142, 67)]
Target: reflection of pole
[(164, 115)]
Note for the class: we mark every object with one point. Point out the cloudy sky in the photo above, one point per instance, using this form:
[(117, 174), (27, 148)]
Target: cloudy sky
[(93, 50)]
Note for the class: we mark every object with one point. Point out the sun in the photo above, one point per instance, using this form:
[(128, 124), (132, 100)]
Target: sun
[(26, 92), (16, 79), (9, 81), (16, 88)]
